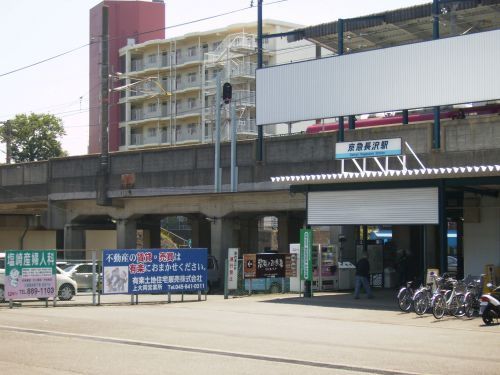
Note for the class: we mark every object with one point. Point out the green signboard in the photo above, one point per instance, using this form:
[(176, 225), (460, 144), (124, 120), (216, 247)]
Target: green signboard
[(30, 274), (306, 254)]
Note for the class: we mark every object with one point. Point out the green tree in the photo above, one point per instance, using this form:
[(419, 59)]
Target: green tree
[(33, 137)]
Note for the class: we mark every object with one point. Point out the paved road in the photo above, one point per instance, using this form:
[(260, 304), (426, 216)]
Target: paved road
[(279, 334)]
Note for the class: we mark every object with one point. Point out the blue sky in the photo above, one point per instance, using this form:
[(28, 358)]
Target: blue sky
[(34, 30)]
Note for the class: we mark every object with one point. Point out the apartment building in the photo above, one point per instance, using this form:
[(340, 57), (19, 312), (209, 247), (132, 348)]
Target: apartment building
[(167, 91), (125, 18)]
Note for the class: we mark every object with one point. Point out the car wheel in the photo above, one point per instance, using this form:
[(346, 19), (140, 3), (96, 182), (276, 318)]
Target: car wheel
[(275, 288), (2, 294), (66, 292)]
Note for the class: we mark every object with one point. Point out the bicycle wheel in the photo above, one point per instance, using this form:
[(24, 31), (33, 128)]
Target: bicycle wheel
[(405, 299), (439, 307), (469, 305), (420, 303), (456, 306)]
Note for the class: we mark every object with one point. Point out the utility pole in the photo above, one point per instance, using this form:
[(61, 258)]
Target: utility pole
[(260, 132), (217, 174), (102, 175), (8, 141)]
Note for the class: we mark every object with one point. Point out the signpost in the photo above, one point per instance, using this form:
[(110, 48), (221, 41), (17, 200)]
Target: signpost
[(30, 274), (232, 277), (154, 271), (306, 260), (306, 254)]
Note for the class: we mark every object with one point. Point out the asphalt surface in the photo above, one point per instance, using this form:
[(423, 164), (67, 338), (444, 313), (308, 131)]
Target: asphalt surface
[(273, 334)]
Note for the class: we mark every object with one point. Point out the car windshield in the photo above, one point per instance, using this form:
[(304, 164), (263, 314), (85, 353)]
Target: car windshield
[(70, 268)]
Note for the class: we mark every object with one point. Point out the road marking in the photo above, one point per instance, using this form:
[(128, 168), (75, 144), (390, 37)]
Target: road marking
[(257, 357)]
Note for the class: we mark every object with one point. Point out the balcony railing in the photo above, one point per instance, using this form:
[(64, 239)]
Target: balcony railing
[(186, 84), (237, 42), (185, 134), (187, 59), (243, 97), (246, 69), (246, 126)]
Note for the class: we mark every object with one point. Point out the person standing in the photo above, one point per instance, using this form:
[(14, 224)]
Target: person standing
[(362, 276)]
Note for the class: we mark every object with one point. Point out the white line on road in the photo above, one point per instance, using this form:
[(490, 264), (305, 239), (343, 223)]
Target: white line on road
[(257, 357)]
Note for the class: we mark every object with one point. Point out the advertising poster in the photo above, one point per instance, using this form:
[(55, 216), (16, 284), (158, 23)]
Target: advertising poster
[(232, 277), (264, 265), (30, 274), (306, 254), (250, 266), (154, 271)]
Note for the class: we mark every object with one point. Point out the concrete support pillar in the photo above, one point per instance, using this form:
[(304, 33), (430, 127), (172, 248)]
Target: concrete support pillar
[(249, 235), (152, 238), (200, 232), (74, 242), (283, 231), (222, 237), (288, 232), (126, 234)]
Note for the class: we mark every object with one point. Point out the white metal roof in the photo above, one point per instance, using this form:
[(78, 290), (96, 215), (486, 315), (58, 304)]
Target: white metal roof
[(408, 174)]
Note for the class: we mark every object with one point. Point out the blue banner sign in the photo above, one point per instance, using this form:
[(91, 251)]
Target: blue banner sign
[(149, 271)]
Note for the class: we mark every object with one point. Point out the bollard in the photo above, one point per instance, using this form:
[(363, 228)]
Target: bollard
[(199, 295), (307, 289), (169, 298)]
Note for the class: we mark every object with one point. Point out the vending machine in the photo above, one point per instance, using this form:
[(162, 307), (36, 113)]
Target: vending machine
[(325, 267)]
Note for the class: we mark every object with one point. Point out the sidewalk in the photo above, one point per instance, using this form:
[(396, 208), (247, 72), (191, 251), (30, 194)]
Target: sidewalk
[(384, 299)]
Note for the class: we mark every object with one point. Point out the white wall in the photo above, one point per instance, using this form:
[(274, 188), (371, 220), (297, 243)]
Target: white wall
[(100, 239), (482, 240), (346, 85), (33, 240)]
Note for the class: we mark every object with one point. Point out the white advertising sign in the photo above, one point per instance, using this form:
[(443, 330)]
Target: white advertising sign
[(232, 276), (295, 281)]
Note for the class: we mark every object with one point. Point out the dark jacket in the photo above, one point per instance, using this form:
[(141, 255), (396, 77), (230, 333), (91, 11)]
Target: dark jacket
[(363, 268)]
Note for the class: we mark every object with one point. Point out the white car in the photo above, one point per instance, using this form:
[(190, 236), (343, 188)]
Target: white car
[(66, 286)]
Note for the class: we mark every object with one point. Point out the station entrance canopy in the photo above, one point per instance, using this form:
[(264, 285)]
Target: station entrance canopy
[(409, 196), (441, 72)]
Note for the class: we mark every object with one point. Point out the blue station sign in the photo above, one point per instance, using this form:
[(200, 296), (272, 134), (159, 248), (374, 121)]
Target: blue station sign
[(368, 148)]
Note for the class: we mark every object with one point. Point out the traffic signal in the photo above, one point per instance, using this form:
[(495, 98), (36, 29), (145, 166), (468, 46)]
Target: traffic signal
[(227, 92)]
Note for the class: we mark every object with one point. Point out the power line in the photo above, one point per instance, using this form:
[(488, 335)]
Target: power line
[(142, 33)]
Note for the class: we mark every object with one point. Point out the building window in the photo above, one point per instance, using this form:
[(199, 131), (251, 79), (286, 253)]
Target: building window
[(151, 132), (192, 128), (215, 45), (152, 58), (215, 72), (123, 136), (178, 54), (192, 51), (204, 47), (178, 104), (191, 103), (191, 77), (152, 107)]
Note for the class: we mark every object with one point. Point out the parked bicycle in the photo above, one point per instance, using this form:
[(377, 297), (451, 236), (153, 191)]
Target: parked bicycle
[(422, 299), (451, 303), (405, 296), (473, 296)]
